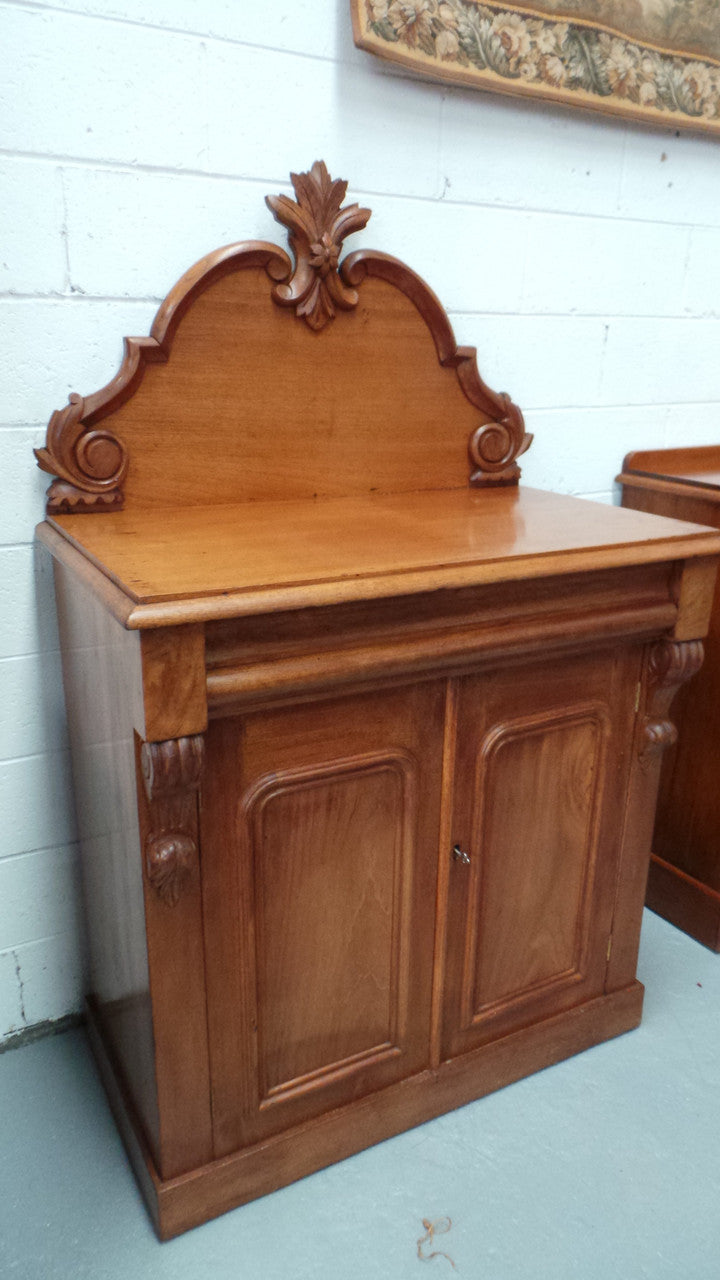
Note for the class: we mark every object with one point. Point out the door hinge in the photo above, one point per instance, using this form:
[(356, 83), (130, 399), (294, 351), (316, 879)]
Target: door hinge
[(609, 947)]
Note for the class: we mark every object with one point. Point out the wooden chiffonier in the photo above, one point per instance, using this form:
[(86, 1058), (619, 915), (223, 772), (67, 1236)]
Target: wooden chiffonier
[(684, 880), (366, 737)]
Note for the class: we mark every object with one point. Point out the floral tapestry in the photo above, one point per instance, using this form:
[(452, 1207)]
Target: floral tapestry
[(655, 60)]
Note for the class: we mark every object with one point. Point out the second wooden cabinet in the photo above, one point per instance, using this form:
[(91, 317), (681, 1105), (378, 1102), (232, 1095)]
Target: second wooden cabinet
[(684, 879)]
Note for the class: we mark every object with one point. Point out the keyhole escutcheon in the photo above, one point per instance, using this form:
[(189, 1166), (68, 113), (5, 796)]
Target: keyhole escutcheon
[(460, 855)]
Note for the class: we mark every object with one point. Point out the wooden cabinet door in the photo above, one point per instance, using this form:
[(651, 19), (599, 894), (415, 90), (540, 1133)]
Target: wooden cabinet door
[(541, 773), (319, 832)]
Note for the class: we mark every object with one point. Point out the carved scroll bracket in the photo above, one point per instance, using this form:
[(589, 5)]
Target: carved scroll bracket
[(171, 772), (671, 664), (90, 463), (317, 225), (495, 447)]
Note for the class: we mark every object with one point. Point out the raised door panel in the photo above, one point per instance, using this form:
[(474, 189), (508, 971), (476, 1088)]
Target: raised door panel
[(543, 759), (320, 838), (331, 848)]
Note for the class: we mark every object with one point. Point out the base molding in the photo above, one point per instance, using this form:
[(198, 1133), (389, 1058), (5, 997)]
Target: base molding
[(39, 1031), (686, 902), (180, 1203)]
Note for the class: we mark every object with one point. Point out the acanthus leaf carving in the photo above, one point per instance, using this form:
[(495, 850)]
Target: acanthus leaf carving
[(169, 857), (172, 772), (90, 463), (317, 226), (671, 663)]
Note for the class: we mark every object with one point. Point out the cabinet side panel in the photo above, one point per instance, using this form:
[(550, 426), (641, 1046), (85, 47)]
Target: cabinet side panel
[(101, 672)]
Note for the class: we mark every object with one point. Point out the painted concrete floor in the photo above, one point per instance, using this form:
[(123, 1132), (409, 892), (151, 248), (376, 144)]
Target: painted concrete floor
[(605, 1166)]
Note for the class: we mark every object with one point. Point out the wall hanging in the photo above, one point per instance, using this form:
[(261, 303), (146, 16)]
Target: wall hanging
[(635, 58)]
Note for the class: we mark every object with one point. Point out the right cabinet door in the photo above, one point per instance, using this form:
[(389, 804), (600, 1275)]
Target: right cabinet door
[(541, 770)]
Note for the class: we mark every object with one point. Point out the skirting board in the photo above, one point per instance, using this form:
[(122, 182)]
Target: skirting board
[(180, 1203), (685, 902)]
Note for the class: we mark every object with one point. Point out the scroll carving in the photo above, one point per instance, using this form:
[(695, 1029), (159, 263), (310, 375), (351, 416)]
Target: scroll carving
[(493, 446), (317, 225), (671, 664), (90, 464), (171, 773)]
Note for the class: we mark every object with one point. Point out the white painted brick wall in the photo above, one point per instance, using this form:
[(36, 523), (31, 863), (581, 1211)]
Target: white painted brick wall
[(579, 254)]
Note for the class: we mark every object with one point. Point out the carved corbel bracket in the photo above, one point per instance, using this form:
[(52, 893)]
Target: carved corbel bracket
[(317, 225), (671, 664), (171, 772)]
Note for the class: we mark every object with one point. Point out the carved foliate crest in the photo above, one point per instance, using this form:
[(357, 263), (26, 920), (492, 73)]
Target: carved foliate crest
[(317, 225)]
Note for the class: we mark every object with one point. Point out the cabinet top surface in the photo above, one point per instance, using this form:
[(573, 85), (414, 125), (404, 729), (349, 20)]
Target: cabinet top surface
[(208, 562), (697, 467)]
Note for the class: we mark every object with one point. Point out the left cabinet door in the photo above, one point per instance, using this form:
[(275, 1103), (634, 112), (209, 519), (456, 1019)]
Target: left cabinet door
[(319, 834)]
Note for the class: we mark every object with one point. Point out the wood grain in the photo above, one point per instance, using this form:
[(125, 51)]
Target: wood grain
[(103, 697), (333, 842), (525, 941), (666, 666), (316, 552), (218, 334), (494, 445), (326, 438), (686, 901), (683, 466), (176, 963), (184, 1202), (324, 826), (174, 684), (536, 809)]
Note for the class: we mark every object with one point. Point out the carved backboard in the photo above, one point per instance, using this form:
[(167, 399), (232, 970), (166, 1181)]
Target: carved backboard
[(269, 377)]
